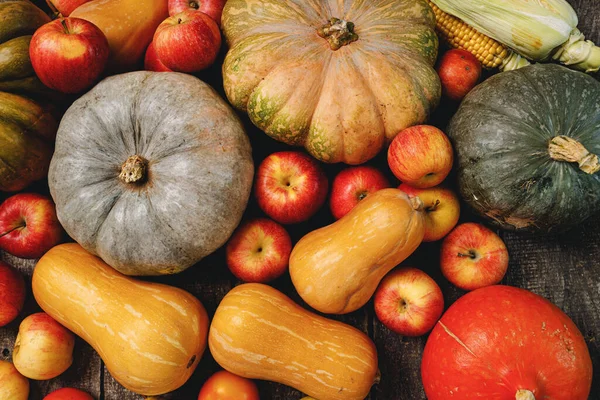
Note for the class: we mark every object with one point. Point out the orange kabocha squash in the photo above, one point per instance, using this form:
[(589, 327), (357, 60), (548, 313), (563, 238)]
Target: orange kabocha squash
[(129, 26), (336, 269), (259, 333), (150, 336)]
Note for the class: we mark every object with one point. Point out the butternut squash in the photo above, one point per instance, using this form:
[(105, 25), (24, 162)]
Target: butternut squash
[(337, 268), (129, 26), (259, 333), (150, 336)]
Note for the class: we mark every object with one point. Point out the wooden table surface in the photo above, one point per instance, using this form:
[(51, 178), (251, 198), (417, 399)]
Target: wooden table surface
[(565, 269)]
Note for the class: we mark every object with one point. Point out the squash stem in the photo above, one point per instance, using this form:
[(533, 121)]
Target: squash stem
[(12, 230), (524, 394), (134, 170), (338, 33), (567, 149)]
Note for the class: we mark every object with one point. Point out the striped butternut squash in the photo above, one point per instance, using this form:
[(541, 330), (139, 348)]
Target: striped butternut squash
[(259, 333), (150, 336), (337, 268)]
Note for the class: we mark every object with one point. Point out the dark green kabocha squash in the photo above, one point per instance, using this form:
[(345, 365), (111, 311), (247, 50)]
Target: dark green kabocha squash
[(527, 143)]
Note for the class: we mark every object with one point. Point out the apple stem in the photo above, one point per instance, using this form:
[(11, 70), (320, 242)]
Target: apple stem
[(433, 207), (12, 229), (194, 5), (63, 22), (471, 254)]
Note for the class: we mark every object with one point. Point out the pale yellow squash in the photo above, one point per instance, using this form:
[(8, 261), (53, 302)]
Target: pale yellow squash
[(150, 336), (259, 333), (129, 26), (337, 268)]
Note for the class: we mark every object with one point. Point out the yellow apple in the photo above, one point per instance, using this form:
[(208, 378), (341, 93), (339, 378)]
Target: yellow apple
[(442, 210), (13, 385), (43, 348)]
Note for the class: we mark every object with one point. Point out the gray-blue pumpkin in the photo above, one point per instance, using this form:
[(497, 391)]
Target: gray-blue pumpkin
[(152, 172)]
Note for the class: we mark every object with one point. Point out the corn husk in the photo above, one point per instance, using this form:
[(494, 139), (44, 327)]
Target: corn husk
[(536, 29)]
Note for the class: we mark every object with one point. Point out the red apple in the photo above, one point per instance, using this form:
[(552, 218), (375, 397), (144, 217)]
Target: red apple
[(13, 385), (421, 156), (212, 8), (43, 348), (473, 256), (12, 293), (224, 385), (259, 251), (64, 8), (442, 209), (290, 186), (151, 61), (68, 394), (409, 302), (69, 54), (352, 185), (188, 41), (459, 72), (28, 225)]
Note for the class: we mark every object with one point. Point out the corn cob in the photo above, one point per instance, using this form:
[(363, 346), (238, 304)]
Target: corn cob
[(457, 34), (540, 30)]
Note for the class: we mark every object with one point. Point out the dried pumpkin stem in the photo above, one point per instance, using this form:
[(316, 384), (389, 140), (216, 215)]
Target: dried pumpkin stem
[(564, 148), (416, 203), (134, 170), (524, 394), (338, 33)]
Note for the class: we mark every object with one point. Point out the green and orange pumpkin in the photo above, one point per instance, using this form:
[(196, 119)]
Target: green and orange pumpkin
[(339, 77)]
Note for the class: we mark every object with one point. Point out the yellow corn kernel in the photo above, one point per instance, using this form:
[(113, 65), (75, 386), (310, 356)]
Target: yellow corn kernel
[(459, 35)]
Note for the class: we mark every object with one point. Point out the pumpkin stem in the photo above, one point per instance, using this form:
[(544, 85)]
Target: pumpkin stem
[(134, 170), (524, 394), (564, 148), (338, 33), (416, 203)]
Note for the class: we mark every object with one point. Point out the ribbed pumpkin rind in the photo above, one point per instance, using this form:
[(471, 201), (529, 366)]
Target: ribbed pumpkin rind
[(200, 172), (19, 19), (27, 132), (300, 92)]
